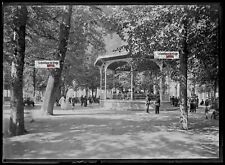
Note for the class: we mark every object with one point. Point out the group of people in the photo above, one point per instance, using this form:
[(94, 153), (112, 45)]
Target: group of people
[(174, 101), (64, 102), (193, 102), (83, 100), (208, 103), (156, 103)]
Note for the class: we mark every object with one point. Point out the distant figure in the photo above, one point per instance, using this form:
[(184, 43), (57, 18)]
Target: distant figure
[(206, 108), (192, 106), (98, 100), (148, 99), (157, 105), (215, 113), (70, 100), (85, 101), (173, 99), (73, 101), (82, 100), (62, 102), (197, 102), (90, 99), (202, 102), (57, 102)]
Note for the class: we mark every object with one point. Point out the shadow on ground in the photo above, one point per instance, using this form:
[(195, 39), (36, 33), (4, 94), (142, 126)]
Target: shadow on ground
[(115, 135)]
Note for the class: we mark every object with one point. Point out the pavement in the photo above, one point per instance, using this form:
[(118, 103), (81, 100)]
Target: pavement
[(95, 133)]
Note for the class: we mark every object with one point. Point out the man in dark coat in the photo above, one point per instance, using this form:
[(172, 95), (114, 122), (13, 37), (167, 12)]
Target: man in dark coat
[(148, 99), (157, 105), (173, 99), (85, 101), (73, 101), (82, 100)]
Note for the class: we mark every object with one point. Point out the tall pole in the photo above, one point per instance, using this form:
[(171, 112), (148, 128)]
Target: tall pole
[(161, 80)]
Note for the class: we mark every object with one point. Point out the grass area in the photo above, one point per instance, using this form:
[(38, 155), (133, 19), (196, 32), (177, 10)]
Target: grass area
[(95, 133)]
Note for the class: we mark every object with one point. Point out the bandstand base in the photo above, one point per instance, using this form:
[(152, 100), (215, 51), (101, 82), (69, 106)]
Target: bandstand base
[(111, 104)]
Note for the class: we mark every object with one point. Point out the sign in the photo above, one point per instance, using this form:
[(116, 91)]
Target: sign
[(47, 64), (166, 54)]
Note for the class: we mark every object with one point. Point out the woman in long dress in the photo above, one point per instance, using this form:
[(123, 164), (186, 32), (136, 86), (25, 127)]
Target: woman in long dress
[(62, 102)]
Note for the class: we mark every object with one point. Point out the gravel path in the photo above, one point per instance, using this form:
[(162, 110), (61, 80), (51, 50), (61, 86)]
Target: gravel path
[(94, 133)]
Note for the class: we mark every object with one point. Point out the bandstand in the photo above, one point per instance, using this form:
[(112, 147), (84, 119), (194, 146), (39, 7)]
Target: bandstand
[(113, 62)]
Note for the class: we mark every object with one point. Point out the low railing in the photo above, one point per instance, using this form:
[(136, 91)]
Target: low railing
[(128, 96)]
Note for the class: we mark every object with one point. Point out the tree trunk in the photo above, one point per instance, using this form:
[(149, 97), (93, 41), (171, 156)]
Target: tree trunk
[(54, 78), (183, 80), (215, 88), (63, 88), (16, 124), (58, 93), (50, 94)]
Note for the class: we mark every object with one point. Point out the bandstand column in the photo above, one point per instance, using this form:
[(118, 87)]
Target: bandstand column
[(100, 68), (114, 90), (105, 96), (132, 79)]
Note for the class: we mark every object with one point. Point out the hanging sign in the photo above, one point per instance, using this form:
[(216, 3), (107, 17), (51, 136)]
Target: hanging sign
[(166, 54), (47, 64)]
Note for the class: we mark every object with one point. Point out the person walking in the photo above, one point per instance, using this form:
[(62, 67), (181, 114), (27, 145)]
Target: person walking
[(148, 99), (85, 101), (82, 100), (90, 99), (157, 105), (173, 99), (197, 102), (202, 102), (206, 108), (73, 101)]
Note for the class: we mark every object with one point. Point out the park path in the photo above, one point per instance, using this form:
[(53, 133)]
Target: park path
[(102, 134)]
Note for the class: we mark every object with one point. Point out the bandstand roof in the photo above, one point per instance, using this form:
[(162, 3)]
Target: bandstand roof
[(121, 59)]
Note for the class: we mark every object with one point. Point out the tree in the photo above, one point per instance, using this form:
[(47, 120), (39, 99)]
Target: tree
[(19, 15), (170, 28), (85, 43), (183, 76), (55, 74)]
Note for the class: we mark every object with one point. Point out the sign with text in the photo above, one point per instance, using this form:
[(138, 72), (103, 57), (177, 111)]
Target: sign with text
[(47, 64), (166, 54)]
